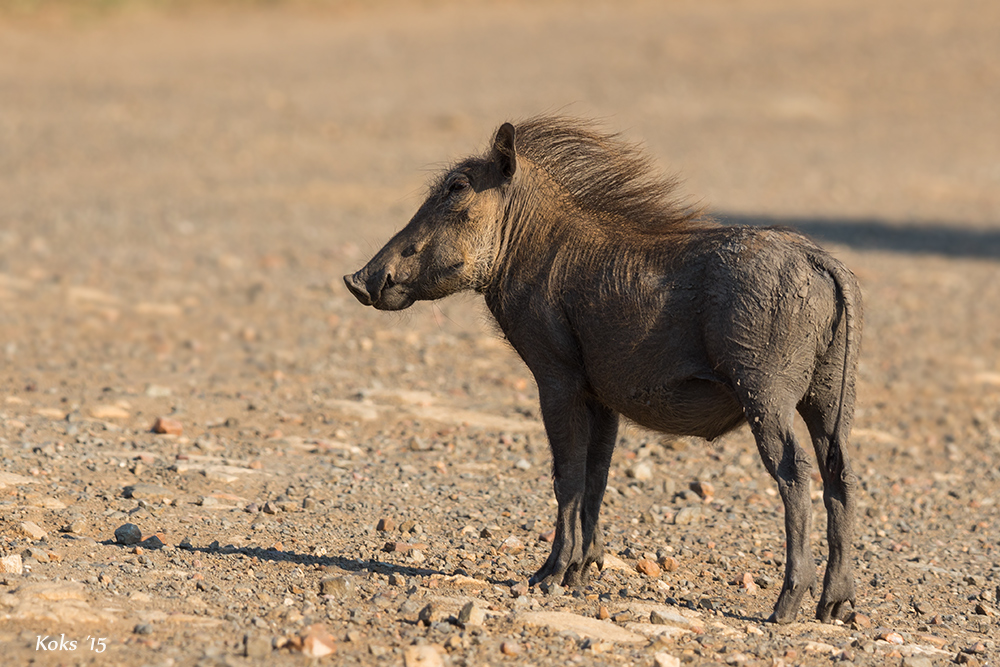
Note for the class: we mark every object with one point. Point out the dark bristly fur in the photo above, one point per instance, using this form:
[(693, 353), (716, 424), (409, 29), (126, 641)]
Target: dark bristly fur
[(623, 301)]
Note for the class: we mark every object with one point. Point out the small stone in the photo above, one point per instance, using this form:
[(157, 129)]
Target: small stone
[(648, 567), (12, 564), (891, 637), (704, 490), (269, 508), (510, 648), (337, 586), (642, 472), (548, 537), (385, 525), (622, 617), (396, 579), (553, 589), (967, 660), (403, 547), (429, 615), (603, 613), (75, 527), (523, 464), (154, 541), (983, 609), (512, 545), (519, 589), (167, 426), (128, 534), (40, 555), (668, 563), (153, 492), (33, 530), (666, 660), (416, 556), (423, 655), (317, 642), (687, 515), (471, 614), (143, 629), (915, 661), (859, 620), (746, 583)]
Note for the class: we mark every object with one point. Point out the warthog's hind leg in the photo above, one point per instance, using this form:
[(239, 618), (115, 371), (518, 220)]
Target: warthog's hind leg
[(819, 410), (789, 465)]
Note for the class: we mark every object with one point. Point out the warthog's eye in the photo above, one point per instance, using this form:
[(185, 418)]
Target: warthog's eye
[(458, 184), (409, 251)]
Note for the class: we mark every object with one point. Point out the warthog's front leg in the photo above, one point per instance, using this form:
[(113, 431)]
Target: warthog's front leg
[(582, 436)]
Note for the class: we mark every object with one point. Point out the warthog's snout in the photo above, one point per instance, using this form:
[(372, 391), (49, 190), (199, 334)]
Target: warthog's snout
[(376, 287), (366, 291)]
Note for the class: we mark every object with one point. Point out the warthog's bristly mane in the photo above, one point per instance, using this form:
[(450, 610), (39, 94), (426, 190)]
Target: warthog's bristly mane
[(603, 174)]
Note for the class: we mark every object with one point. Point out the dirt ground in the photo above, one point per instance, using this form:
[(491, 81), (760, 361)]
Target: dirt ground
[(181, 192)]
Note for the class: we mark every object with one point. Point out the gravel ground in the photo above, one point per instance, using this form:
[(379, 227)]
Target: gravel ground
[(180, 194)]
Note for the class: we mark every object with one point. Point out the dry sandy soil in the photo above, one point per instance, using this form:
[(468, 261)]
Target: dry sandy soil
[(180, 194)]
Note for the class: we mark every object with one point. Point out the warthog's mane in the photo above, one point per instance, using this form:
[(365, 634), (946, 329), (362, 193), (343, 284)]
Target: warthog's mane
[(614, 180)]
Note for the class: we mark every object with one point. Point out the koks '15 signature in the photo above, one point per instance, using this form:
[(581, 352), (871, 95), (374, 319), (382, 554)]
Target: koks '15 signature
[(97, 644)]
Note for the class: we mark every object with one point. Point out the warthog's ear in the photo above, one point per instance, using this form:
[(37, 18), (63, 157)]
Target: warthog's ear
[(503, 146)]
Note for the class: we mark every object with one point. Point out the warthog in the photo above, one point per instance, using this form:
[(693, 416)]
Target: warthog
[(621, 301)]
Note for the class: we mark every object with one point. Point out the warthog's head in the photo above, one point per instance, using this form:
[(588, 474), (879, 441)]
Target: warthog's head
[(450, 243)]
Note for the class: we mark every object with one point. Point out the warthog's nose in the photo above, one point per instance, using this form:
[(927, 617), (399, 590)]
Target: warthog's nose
[(358, 288)]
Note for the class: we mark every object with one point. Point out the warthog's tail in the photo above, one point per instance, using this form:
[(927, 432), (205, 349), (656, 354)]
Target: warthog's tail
[(849, 300)]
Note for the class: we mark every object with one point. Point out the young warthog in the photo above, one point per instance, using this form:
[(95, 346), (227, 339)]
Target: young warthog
[(623, 302)]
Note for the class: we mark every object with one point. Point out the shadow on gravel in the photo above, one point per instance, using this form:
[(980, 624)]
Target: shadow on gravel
[(872, 234)]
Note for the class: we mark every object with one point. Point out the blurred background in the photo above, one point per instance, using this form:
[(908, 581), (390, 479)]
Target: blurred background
[(184, 183)]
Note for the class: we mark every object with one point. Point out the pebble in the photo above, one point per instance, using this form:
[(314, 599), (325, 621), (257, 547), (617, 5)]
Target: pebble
[(143, 629), (144, 491), (385, 525), (668, 563), (471, 614), (519, 589), (916, 661), (317, 642), (687, 515), (747, 583), (337, 586), (33, 530), (648, 567), (423, 655), (167, 426), (128, 534), (12, 564), (429, 615), (510, 648), (642, 472), (891, 637), (704, 490), (403, 547), (75, 527), (512, 545), (40, 555), (666, 660)]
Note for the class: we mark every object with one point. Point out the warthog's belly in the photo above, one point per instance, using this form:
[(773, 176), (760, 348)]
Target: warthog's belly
[(694, 406)]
